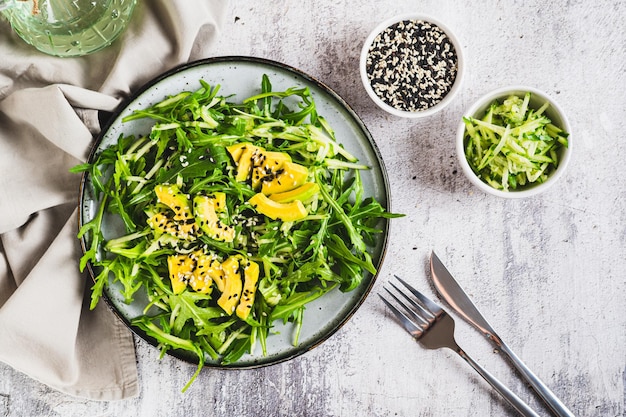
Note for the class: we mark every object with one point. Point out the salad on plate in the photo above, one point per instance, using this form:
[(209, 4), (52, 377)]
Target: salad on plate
[(237, 214)]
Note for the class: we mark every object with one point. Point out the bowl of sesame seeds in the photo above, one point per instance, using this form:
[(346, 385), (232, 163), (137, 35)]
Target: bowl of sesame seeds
[(411, 65)]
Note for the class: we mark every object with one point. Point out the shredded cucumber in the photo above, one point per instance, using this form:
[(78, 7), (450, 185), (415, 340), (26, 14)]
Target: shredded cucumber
[(513, 146)]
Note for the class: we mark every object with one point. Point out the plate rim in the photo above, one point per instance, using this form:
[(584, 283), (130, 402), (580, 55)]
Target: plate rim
[(324, 336)]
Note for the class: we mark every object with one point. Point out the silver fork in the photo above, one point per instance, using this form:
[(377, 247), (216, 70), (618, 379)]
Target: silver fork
[(434, 328)]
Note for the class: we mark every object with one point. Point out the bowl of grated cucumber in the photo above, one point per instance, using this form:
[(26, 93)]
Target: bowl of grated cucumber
[(514, 142)]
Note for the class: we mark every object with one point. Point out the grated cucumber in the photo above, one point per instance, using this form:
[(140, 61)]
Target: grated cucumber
[(513, 146)]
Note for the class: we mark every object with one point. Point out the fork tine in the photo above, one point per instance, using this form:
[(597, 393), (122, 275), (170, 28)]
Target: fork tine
[(424, 315), (415, 316), (435, 310), (406, 322)]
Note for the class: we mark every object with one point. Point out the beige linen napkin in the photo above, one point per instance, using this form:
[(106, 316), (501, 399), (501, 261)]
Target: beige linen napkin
[(48, 116)]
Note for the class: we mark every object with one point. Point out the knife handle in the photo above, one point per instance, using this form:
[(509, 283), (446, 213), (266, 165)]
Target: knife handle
[(557, 407), (520, 406)]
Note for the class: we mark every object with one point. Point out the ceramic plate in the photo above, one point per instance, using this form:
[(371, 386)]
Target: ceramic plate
[(241, 76)]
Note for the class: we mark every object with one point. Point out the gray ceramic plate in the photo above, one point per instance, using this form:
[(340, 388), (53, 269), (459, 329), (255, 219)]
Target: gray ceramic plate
[(241, 76)]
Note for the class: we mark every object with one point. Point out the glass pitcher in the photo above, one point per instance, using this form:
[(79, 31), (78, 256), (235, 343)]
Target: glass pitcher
[(68, 27)]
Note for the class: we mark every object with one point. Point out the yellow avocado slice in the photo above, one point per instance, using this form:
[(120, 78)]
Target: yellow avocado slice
[(180, 269), (244, 163), (236, 150), (287, 212), (173, 198), (251, 277), (182, 224), (161, 223), (202, 278), (290, 176), (265, 165), (219, 201), (205, 210), (216, 272), (232, 285), (256, 163), (302, 193), (196, 269)]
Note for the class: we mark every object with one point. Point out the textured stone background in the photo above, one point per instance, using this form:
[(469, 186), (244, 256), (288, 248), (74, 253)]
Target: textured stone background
[(547, 271)]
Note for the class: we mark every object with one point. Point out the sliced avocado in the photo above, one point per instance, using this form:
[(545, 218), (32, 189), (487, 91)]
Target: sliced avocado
[(161, 223), (205, 212), (288, 177), (251, 277), (232, 285), (258, 164), (302, 193), (180, 269), (216, 271), (284, 211), (236, 150), (277, 156), (244, 164), (219, 201), (172, 197), (265, 166), (201, 280), (196, 269)]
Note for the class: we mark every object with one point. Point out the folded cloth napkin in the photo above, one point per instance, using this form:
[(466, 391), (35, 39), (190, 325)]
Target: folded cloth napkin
[(48, 118)]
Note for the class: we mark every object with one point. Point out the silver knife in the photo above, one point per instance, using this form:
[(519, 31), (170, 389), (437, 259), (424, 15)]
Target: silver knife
[(452, 292)]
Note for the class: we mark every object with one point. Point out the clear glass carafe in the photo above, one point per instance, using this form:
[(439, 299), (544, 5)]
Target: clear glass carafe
[(68, 27)]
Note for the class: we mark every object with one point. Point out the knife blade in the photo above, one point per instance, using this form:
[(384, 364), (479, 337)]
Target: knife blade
[(450, 290)]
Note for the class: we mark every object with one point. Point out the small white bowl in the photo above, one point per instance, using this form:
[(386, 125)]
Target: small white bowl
[(554, 112), (378, 100)]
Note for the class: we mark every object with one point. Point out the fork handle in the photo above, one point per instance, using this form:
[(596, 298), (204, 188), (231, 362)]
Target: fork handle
[(517, 403)]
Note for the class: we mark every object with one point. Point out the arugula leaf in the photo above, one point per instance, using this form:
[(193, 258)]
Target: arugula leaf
[(184, 308), (152, 330)]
